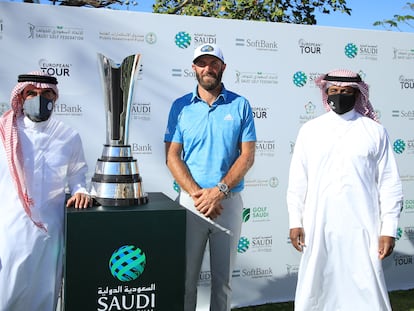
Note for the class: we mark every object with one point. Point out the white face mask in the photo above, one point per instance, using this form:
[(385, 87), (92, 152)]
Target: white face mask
[(38, 108)]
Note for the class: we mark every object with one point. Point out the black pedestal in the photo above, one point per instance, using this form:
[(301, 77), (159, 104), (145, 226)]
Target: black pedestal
[(126, 258)]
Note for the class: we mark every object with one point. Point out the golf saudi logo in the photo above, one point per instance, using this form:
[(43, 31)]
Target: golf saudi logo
[(127, 263)]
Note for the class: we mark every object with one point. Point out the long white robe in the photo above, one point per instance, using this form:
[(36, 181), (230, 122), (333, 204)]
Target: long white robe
[(344, 190), (30, 258)]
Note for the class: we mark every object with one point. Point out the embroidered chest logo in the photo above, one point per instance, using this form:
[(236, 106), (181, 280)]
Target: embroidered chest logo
[(228, 117)]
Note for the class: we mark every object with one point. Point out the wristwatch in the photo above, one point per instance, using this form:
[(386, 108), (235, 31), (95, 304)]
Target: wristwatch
[(223, 188)]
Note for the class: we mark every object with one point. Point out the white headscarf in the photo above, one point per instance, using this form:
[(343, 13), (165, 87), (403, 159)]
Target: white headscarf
[(344, 77), (9, 134)]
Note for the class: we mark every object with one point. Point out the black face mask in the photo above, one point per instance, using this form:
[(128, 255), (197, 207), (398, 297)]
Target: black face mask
[(38, 108), (341, 103)]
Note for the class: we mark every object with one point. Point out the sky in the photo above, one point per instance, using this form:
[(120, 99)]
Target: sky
[(364, 13)]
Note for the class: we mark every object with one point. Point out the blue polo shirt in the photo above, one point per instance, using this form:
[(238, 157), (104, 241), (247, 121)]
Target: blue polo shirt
[(211, 136)]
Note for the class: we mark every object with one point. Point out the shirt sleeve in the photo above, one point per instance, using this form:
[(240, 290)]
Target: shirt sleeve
[(297, 185), (390, 189), (173, 133), (248, 130), (77, 168)]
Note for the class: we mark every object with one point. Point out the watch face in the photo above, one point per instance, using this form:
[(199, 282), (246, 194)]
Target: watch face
[(223, 187)]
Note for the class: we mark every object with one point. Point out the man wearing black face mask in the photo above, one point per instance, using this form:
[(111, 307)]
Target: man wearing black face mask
[(344, 200), (341, 99), (39, 158)]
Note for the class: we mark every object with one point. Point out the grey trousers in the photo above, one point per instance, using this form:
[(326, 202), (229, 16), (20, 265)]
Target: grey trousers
[(223, 251)]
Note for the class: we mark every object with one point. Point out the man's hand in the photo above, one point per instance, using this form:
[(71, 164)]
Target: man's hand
[(385, 246), (208, 201), (80, 200), (297, 236)]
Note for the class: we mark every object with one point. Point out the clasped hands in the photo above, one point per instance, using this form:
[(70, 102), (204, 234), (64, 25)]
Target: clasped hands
[(208, 201)]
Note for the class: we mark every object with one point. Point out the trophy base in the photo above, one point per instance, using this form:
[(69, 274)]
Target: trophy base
[(116, 181), (122, 202)]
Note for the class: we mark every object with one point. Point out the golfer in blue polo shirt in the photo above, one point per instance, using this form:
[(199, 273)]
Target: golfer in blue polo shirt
[(210, 146)]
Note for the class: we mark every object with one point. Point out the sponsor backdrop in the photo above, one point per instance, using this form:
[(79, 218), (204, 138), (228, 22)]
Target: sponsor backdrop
[(273, 65)]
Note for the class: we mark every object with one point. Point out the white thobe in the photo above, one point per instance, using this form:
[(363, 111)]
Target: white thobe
[(344, 190), (30, 257)]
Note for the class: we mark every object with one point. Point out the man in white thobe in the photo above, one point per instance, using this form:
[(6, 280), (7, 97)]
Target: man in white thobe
[(39, 158), (344, 199)]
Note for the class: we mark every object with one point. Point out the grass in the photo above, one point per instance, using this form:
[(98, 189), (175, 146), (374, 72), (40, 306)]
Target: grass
[(402, 300)]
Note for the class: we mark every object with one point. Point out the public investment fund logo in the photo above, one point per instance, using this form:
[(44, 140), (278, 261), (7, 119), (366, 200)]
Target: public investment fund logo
[(127, 263)]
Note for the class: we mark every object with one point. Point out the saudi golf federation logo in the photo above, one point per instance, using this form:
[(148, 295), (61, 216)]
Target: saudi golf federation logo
[(127, 263)]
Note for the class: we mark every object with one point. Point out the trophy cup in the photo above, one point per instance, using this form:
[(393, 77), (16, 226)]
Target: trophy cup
[(116, 181)]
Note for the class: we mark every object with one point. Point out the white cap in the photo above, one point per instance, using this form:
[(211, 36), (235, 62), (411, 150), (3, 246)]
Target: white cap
[(208, 49)]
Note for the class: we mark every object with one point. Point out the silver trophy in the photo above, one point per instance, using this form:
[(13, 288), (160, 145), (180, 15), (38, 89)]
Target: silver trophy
[(116, 181)]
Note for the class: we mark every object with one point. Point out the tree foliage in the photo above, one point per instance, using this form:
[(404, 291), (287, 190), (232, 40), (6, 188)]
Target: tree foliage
[(287, 11), (397, 20), (88, 3)]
